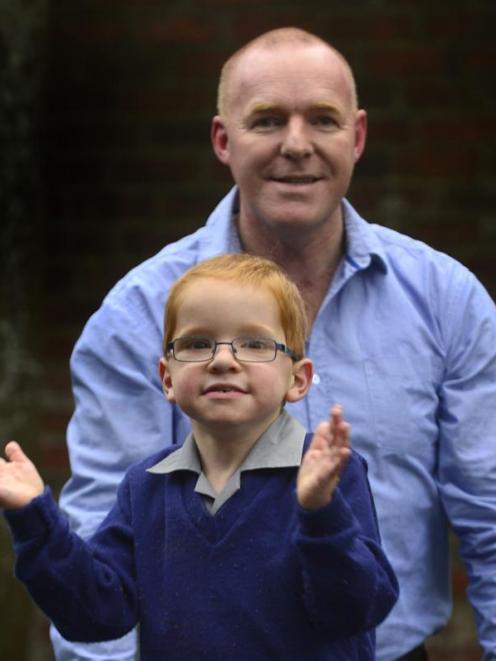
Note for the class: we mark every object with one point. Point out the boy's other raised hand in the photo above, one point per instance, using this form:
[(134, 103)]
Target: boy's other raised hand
[(20, 482), (323, 462)]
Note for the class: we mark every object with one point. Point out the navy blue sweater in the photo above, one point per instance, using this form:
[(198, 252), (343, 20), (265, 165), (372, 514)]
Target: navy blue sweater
[(262, 579)]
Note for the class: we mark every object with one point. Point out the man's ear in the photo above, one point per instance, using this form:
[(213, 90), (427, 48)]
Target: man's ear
[(360, 133), (302, 380), (165, 378), (220, 141)]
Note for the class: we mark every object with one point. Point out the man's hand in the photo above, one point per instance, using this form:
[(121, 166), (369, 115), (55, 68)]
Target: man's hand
[(20, 482), (323, 462)]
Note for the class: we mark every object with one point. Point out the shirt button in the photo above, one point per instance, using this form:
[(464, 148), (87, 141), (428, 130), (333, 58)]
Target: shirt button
[(316, 379)]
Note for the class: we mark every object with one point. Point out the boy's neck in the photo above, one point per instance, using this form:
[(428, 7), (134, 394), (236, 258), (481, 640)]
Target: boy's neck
[(221, 454)]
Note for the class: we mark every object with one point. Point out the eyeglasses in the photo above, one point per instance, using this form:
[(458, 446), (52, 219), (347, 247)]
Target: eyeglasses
[(196, 349)]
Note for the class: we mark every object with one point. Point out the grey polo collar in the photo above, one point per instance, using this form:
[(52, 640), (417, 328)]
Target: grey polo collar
[(280, 446)]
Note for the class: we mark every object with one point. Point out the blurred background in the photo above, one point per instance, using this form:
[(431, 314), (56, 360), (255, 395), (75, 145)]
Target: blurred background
[(105, 110)]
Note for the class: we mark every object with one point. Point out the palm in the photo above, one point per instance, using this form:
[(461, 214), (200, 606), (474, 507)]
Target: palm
[(323, 462), (20, 482)]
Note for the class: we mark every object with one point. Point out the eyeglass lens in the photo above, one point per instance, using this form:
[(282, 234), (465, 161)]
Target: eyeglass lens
[(254, 349)]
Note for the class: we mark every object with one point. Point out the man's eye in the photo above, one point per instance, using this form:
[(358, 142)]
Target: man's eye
[(325, 121), (267, 122)]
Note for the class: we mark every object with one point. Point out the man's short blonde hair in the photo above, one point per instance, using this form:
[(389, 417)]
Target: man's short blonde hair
[(245, 269), (270, 40)]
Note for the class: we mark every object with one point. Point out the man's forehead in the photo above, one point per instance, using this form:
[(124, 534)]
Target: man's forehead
[(265, 57), (314, 85), (263, 66), (310, 69)]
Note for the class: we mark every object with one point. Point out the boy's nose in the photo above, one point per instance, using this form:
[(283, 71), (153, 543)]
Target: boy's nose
[(223, 357)]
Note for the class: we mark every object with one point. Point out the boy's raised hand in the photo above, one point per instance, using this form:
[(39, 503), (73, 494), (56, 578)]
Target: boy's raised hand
[(323, 462), (20, 482)]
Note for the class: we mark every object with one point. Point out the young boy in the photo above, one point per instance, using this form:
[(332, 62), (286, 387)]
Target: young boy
[(240, 544)]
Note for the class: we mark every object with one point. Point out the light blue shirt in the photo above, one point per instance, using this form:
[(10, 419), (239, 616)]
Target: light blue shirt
[(405, 340)]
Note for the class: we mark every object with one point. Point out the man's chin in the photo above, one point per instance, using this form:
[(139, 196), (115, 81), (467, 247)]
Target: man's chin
[(295, 217)]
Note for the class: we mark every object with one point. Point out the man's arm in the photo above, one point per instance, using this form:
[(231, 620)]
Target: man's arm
[(467, 445)]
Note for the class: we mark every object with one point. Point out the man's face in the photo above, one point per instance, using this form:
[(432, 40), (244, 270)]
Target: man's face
[(291, 135)]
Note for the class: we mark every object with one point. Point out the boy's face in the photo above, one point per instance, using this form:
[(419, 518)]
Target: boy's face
[(223, 395)]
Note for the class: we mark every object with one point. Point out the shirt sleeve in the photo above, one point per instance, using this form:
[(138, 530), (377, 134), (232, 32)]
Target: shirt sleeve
[(467, 443), (120, 416), (88, 589), (349, 585)]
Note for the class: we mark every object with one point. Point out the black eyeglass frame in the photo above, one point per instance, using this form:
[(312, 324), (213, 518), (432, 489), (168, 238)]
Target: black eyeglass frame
[(278, 346)]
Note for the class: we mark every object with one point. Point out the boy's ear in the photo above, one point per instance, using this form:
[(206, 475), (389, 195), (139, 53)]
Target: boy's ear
[(165, 378), (302, 380)]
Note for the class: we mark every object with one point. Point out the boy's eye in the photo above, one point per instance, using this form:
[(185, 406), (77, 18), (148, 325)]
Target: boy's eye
[(195, 343), (255, 343)]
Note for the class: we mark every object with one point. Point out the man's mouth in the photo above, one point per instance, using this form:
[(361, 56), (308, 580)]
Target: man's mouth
[(297, 179)]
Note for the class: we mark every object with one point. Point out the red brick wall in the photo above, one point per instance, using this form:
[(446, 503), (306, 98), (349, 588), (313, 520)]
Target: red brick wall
[(127, 166)]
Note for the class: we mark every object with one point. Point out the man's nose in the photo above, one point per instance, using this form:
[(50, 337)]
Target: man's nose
[(296, 142)]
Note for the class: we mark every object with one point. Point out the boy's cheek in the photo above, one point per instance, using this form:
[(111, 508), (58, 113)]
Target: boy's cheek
[(181, 393)]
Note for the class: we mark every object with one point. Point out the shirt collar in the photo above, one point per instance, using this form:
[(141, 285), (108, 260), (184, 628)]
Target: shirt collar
[(225, 238), (280, 446), (363, 248)]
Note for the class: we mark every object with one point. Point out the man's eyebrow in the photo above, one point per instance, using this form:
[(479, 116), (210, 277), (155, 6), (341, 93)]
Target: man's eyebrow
[(262, 107), (324, 105), (259, 108)]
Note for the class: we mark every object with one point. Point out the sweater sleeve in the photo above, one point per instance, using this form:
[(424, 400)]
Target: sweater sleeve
[(86, 588), (348, 583)]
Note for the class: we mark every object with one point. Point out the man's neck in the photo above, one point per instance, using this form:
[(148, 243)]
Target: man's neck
[(309, 258)]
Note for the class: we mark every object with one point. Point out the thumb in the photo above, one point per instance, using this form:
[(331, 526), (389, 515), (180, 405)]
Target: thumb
[(13, 452)]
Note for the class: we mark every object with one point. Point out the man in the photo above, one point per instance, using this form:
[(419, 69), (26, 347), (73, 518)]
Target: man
[(401, 335)]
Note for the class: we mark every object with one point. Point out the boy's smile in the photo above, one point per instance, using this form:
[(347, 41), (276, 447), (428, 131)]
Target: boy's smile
[(223, 390), (225, 397)]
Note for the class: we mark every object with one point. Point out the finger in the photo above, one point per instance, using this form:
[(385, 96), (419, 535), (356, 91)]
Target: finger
[(322, 435), (343, 457), (13, 452), (339, 427), (342, 435), (336, 415)]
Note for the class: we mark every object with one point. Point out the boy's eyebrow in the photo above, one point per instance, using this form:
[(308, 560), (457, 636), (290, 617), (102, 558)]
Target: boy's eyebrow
[(252, 330)]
